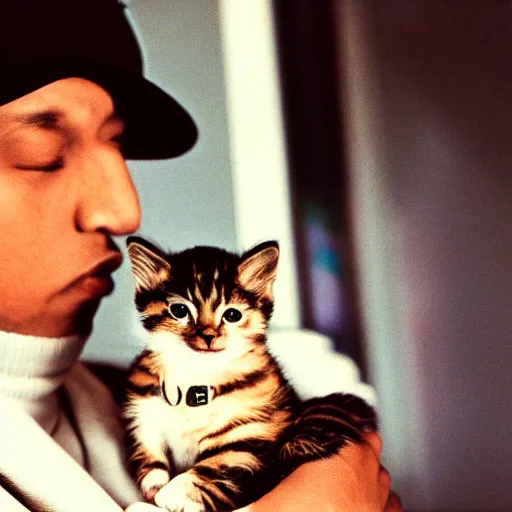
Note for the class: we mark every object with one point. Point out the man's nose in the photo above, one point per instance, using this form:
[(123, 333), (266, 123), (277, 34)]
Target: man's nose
[(108, 199)]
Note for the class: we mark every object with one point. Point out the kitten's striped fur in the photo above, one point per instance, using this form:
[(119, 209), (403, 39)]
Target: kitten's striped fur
[(254, 430)]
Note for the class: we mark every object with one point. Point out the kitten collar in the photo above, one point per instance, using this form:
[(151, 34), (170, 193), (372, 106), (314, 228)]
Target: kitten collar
[(195, 396)]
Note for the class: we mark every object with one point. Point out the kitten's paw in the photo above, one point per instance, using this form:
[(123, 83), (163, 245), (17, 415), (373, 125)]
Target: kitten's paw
[(153, 482), (180, 495)]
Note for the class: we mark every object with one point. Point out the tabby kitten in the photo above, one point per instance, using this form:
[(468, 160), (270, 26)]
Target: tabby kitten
[(211, 420)]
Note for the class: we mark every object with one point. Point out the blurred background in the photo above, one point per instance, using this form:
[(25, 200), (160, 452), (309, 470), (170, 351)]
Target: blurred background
[(373, 139)]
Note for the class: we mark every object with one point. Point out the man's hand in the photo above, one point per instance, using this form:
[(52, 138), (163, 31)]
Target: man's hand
[(353, 481)]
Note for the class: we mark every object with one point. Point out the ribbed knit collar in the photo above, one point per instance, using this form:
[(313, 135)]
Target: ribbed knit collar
[(34, 356), (32, 368)]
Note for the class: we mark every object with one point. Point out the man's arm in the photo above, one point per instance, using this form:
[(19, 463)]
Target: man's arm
[(351, 481)]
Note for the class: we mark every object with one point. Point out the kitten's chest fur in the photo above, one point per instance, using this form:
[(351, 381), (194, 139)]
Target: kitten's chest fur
[(188, 431), (249, 393), (183, 428)]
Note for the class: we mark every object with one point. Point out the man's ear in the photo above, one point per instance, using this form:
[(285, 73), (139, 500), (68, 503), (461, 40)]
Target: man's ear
[(258, 269), (149, 266)]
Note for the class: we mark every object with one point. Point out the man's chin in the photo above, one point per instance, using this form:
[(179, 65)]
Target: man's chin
[(60, 318), (85, 317)]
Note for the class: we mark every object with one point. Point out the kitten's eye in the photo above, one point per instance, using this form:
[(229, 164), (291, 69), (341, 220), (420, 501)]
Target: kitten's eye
[(232, 315), (179, 310)]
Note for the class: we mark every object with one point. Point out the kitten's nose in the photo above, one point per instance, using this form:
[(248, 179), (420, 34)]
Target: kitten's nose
[(208, 335), (208, 338)]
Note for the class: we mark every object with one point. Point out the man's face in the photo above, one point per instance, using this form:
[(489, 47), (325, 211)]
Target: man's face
[(64, 189)]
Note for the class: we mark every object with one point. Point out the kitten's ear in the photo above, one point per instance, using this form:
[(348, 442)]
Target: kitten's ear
[(149, 267), (258, 269)]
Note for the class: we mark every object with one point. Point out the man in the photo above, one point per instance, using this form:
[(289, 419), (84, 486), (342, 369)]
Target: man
[(73, 106)]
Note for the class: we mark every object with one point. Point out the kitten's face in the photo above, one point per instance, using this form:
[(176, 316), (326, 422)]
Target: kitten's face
[(205, 298)]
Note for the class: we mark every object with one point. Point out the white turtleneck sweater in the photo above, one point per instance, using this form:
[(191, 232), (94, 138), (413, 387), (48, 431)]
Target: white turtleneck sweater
[(70, 458), (44, 443)]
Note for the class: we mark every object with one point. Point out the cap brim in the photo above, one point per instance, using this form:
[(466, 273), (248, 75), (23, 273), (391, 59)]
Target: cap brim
[(157, 127)]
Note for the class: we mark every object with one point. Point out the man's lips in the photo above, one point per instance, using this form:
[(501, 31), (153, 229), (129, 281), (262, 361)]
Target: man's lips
[(97, 280), (105, 267)]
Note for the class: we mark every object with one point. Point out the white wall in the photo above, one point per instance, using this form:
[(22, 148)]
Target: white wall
[(430, 134)]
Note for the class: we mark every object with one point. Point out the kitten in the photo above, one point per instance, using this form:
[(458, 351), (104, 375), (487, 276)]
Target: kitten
[(211, 420)]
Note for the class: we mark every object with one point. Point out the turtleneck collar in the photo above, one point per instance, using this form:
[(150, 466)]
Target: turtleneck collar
[(33, 356), (32, 368)]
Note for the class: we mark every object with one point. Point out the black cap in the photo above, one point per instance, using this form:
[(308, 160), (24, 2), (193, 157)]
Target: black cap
[(42, 41)]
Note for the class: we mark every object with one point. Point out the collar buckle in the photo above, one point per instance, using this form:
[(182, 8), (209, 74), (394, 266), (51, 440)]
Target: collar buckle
[(195, 397)]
